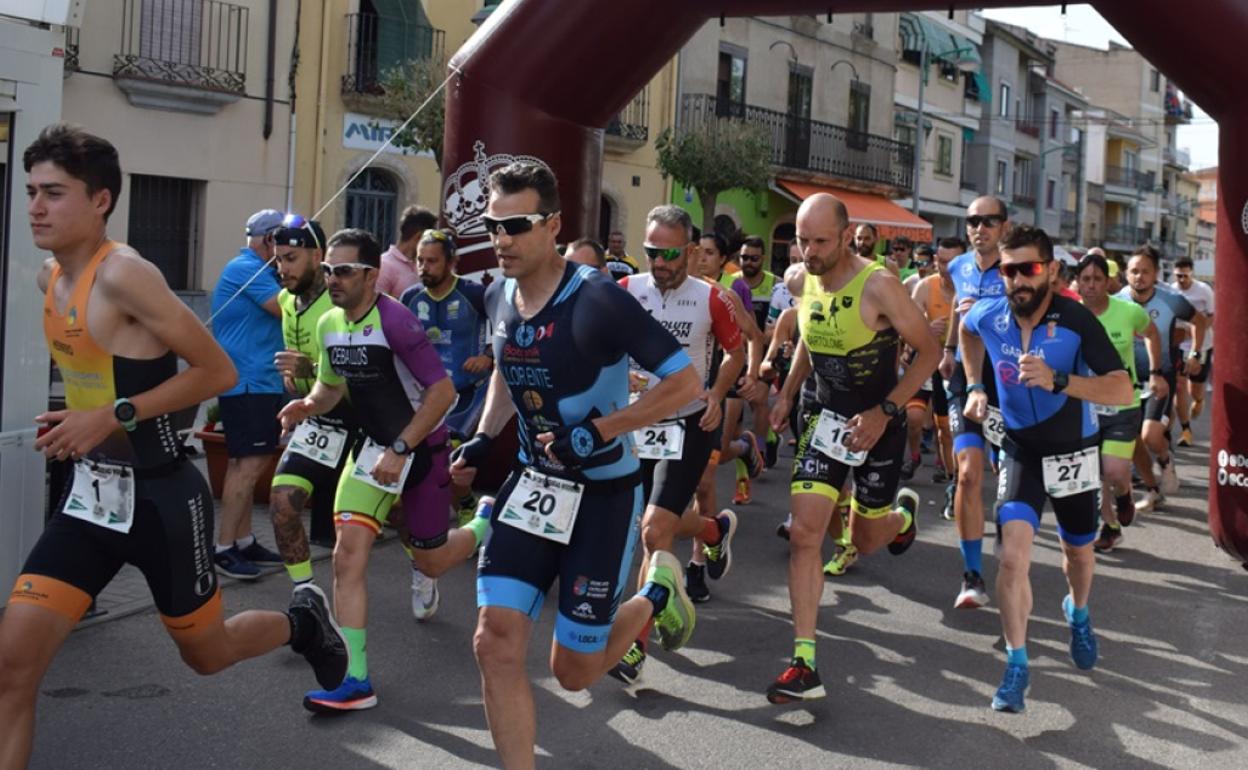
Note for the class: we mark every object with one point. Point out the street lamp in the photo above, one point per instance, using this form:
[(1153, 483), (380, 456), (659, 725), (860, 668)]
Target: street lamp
[(925, 58), (847, 63)]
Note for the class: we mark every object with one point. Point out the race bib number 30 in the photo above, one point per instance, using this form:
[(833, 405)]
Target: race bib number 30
[(661, 441), (102, 495), (367, 460), (318, 442), (1072, 474), (994, 426), (831, 436), (544, 506)]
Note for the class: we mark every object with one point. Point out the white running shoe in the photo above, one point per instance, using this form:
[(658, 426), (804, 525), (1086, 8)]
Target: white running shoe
[(1149, 502), (1169, 478), (424, 595)]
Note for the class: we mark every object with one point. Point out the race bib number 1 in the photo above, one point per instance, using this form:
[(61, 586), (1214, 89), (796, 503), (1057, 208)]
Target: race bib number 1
[(544, 506), (661, 441), (367, 459), (318, 442), (994, 426), (831, 435), (102, 495), (1072, 474)]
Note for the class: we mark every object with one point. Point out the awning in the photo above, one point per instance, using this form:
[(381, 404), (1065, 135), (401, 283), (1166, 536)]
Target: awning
[(943, 44), (889, 219)]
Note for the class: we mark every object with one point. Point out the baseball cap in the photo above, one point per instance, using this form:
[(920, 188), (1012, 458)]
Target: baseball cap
[(1113, 268), (264, 222), (301, 233)]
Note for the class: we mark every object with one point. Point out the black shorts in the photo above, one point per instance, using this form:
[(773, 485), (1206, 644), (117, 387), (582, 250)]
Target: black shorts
[(250, 423), (1206, 369), (670, 484), (1158, 409), (296, 470), (1021, 496), (171, 542), (518, 568), (875, 481), (968, 434)]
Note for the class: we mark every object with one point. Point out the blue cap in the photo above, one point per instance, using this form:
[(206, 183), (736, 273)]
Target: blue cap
[(264, 222)]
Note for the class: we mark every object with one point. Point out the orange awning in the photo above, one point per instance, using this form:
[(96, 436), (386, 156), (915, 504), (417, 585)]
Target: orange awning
[(890, 220)]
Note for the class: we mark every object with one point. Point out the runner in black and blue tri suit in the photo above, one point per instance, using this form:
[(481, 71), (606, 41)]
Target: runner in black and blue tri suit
[(1052, 359), (563, 336)]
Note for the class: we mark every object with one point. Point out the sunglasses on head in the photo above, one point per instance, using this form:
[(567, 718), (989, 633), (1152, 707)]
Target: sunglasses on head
[(987, 220), (343, 270), (1028, 269), (514, 225), (667, 255)]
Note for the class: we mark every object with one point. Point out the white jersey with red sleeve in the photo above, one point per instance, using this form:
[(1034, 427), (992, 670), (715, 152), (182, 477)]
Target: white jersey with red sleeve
[(698, 315)]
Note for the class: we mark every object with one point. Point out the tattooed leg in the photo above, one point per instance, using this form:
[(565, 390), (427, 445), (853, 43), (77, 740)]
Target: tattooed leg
[(292, 541)]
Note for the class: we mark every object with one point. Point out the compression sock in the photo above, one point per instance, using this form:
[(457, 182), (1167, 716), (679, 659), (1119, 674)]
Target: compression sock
[(358, 666), (742, 471), (805, 649), (300, 572), (656, 595), (1124, 502), (1078, 615), (480, 524), (972, 555), (1016, 656)]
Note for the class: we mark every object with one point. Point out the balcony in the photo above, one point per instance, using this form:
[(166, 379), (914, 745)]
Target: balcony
[(1028, 126), (1024, 189), (1128, 236), (810, 145), (1176, 157), (187, 55), (1122, 176), (1069, 230), (631, 127), (378, 44)]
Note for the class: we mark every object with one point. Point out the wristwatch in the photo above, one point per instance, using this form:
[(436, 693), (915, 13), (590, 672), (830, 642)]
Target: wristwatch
[(1157, 372), (1197, 356), (400, 447), (888, 408), (126, 414), (1060, 381)]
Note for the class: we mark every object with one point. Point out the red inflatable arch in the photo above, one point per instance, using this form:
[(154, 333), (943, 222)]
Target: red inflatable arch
[(533, 82)]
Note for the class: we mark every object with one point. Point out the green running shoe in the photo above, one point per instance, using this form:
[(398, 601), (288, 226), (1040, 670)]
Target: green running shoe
[(676, 620)]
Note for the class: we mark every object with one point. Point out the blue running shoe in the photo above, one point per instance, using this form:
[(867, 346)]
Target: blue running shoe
[(1082, 639), (352, 695), (1009, 695)]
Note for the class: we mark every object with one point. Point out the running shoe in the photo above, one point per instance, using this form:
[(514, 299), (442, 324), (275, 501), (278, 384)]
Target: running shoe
[(231, 562), (1169, 478), (352, 695), (628, 670), (325, 650), (1009, 697), (719, 556), (424, 595), (798, 682), (1082, 639), (940, 475), (1185, 438), (676, 620), (841, 562), (258, 554), (773, 449), (1108, 539), (1151, 500), (909, 466), (742, 495), (782, 530), (695, 583), (974, 593), (947, 512), (908, 499), (753, 459)]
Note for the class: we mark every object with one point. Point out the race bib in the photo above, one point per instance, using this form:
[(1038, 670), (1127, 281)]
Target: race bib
[(831, 435), (1072, 474), (994, 426), (544, 506), (318, 442), (367, 458), (102, 495), (661, 441)]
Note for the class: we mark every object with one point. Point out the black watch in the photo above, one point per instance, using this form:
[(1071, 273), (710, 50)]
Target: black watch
[(1157, 372), (888, 408), (1060, 381), (400, 447)]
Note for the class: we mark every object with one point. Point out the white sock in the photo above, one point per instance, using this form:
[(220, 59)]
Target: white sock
[(245, 542)]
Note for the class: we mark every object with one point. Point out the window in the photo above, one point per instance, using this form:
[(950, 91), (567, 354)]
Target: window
[(164, 225), (797, 121), (859, 113), (1050, 194), (730, 83), (944, 154), (1005, 100), (1055, 117), (372, 200), (1154, 81), (904, 133), (1003, 171)]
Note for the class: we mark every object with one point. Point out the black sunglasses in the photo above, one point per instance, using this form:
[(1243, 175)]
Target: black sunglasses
[(987, 220), (1028, 269), (513, 225)]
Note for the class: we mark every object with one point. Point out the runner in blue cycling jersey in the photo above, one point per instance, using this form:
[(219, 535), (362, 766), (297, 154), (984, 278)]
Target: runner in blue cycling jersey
[(1052, 360)]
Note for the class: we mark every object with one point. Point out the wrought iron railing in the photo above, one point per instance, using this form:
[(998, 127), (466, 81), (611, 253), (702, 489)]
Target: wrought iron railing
[(1024, 189), (811, 145), (1122, 176), (378, 44), (71, 50), (1128, 234), (633, 122), (198, 43)]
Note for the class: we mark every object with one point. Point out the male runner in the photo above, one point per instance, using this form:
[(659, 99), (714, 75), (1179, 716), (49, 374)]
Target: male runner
[(374, 351), (1190, 400), (852, 316), (563, 336), (975, 277), (1166, 307), (675, 451), (1123, 322), (452, 311), (1052, 360), (762, 284), (115, 331), (316, 453), (934, 296)]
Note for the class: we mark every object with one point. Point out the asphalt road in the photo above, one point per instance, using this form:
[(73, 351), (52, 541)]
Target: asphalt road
[(909, 677)]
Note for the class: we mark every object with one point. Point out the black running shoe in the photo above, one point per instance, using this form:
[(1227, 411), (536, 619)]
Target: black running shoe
[(326, 651), (909, 499), (773, 450), (908, 467), (719, 556), (798, 682), (628, 670), (695, 583)]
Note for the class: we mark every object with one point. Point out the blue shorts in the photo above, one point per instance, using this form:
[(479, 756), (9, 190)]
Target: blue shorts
[(250, 423)]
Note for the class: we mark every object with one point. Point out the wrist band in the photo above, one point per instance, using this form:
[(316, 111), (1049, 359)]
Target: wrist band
[(976, 386)]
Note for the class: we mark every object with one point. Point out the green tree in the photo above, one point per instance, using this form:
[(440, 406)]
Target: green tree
[(404, 89), (714, 155)]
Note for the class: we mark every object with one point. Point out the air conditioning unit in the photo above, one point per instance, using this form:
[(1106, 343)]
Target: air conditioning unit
[(64, 13)]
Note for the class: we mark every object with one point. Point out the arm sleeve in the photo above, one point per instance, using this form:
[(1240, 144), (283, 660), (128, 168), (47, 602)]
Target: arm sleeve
[(324, 372), (625, 326), (723, 325), (410, 345), (1095, 347)]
